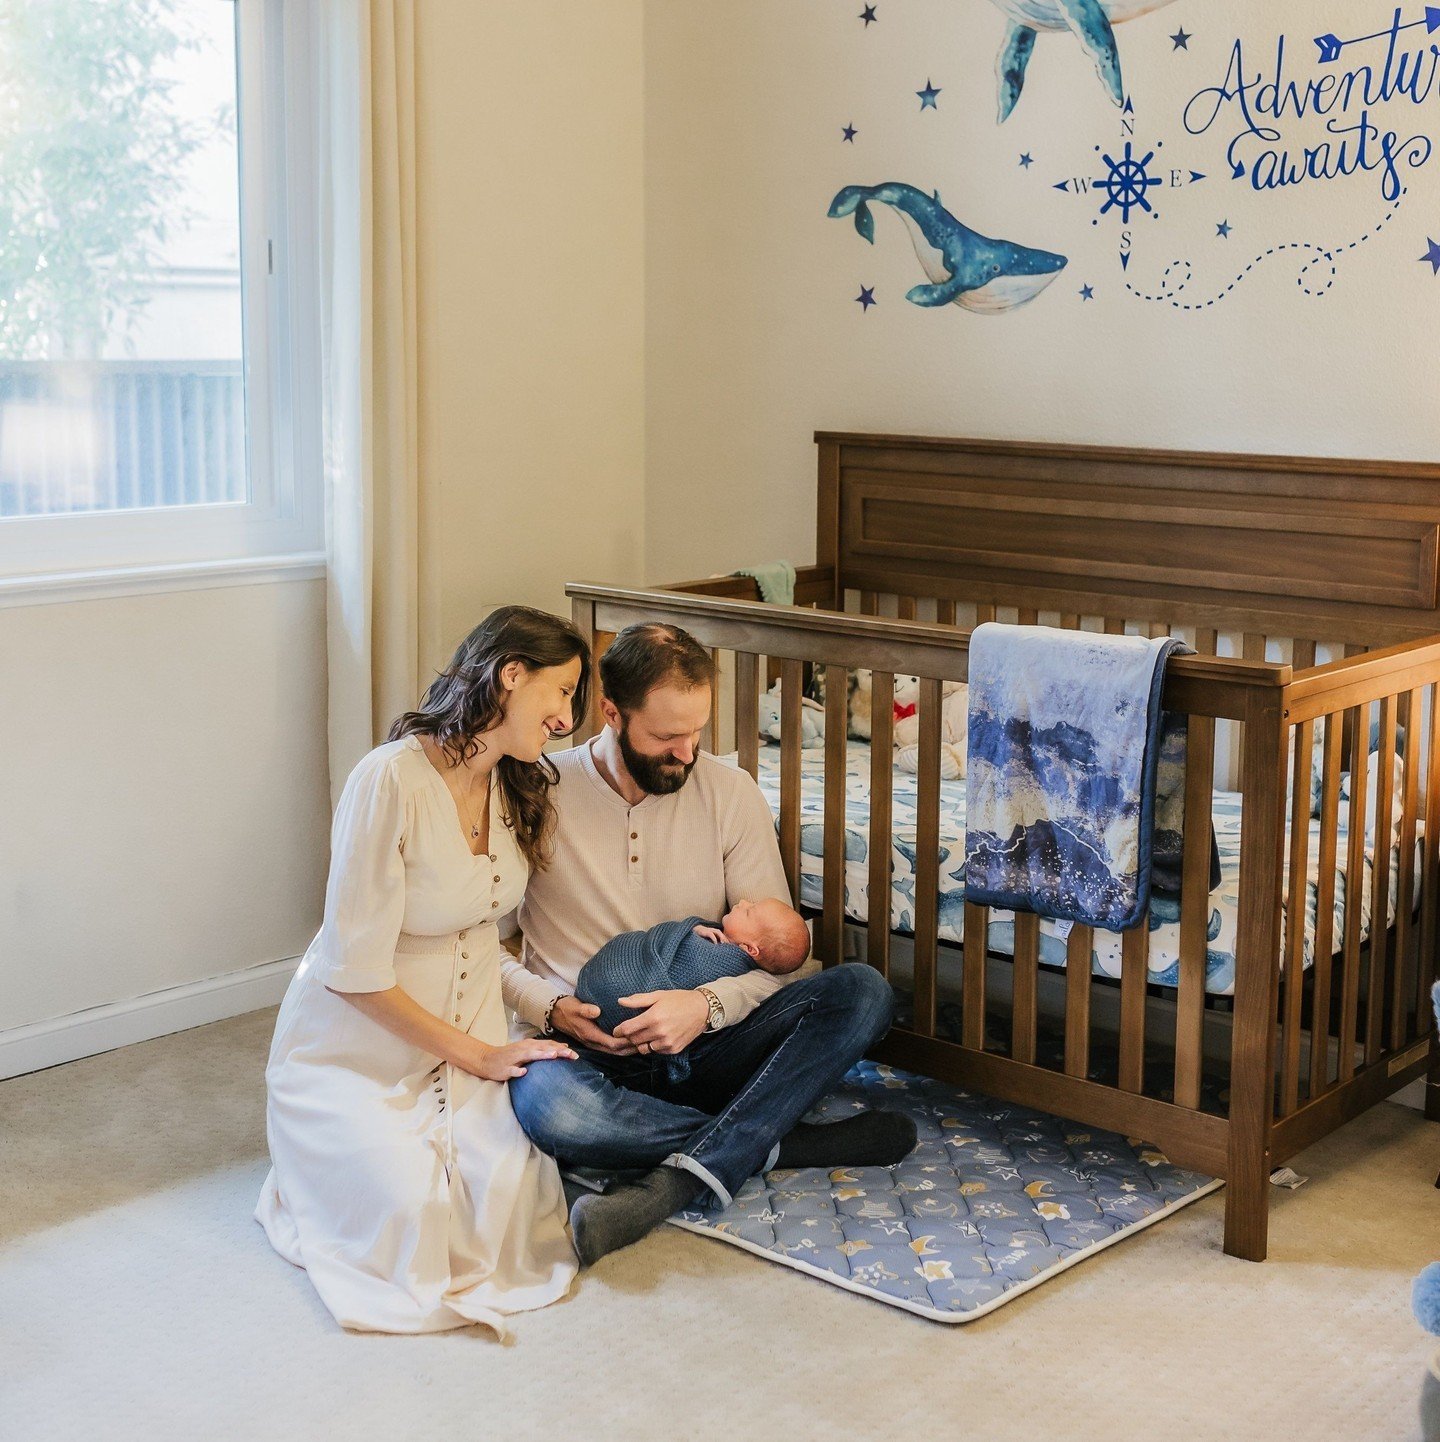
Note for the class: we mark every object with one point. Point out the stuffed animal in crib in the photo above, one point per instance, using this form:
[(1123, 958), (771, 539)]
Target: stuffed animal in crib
[(812, 719), (954, 726)]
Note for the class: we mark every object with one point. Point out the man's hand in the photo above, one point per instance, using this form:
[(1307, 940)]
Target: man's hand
[(577, 1020), (670, 1021), (710, 933)]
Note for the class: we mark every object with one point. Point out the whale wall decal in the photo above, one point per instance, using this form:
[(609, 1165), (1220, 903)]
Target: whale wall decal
[(965, 268), (1092, 23)]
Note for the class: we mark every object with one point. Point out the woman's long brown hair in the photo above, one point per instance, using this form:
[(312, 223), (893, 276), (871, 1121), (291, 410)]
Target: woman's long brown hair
[(467, 699)]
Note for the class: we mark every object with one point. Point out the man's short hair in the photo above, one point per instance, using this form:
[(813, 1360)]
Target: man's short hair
[(650, 654)]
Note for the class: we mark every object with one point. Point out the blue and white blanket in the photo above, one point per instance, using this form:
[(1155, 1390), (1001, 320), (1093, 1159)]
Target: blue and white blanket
[(1065, 733)]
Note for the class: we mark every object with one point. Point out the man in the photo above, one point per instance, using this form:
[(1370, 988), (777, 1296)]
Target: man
[(650, 829)]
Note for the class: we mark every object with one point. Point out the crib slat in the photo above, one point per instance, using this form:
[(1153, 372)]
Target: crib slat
[(927, 857), (1023, 996), (1079, 947), (1134, 974), (747, 711), (1205, 640), (905, 608), (869, 603), (1159, 629), (1295, 899), (1430, 872), (984, 614), (1380, 880), (1355, 719), (1253, 647), (832, 913), (1194, 910), (1114, 625), (1324, 947), (945, 612), (1404, 893), (977, 940), (1303, 657), (1069, 621), (710, 741), (1028, 616), (791, 673), (882, 776)]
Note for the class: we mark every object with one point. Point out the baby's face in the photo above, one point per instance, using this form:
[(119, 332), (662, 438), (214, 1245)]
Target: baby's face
[(774, 934), (745, 922)]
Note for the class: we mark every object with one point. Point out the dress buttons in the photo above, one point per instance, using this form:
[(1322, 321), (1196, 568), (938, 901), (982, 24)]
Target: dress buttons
[(494, 904), (497, 881), (492, 861), (457, 1016), (463, 975), (462, 936), (459, 996), (464, 956)]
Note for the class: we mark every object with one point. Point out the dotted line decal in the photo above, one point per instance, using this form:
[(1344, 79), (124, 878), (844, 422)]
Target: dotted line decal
[(1320, 255)]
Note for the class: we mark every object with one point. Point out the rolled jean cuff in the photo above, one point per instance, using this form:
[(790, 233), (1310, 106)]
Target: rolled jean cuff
[(772, 1158), (689, 1164)]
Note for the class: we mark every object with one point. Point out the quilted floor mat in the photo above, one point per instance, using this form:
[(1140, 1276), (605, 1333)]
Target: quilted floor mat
[(994, 1200)]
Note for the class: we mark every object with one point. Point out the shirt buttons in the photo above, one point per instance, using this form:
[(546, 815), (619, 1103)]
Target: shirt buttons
[(634, 836), (463, 935), (634, 860), (494, 904), (497, 881)]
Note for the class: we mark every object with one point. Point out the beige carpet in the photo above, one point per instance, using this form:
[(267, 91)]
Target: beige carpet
[(138, 1300)]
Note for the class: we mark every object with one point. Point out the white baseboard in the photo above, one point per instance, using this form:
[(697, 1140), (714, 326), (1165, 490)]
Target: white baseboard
[(158, 1013)]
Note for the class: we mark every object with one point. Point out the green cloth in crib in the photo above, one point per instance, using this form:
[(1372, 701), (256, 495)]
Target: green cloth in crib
[(776, 580)]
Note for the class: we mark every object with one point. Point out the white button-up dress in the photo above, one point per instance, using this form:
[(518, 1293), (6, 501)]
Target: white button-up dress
[(403, 1185)]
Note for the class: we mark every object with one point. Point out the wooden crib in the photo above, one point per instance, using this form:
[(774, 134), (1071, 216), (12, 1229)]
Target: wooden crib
[(1279, 561)]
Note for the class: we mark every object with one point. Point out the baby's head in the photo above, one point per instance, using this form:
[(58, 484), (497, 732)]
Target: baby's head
[(775, 936)]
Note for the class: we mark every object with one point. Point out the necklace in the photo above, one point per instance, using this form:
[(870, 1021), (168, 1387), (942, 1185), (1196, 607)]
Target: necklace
[(469, 816)]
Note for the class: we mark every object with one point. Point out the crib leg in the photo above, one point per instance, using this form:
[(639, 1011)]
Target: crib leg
[(1247, 1207)]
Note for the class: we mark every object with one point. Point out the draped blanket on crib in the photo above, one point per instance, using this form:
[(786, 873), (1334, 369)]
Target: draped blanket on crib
[(1065, 749)]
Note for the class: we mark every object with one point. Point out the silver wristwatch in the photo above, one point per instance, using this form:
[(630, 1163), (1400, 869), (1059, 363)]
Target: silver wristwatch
[(716, 1019)]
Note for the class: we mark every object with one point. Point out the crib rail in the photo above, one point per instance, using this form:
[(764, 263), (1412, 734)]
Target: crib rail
[(1303, 1048)]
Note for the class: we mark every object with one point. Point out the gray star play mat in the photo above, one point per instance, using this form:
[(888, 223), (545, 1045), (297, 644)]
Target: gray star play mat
[(994, 1200)]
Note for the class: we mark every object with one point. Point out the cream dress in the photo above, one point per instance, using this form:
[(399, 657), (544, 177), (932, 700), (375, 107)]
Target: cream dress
[(403, 1185)]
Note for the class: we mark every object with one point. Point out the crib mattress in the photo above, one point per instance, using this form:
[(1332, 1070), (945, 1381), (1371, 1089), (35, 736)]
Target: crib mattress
[(1105, 961)]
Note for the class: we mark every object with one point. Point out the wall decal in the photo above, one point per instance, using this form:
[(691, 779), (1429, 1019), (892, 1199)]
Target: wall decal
[(1090, 21), (965, 268)]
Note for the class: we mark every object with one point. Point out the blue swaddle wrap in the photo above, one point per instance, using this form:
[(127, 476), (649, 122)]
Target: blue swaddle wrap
[(1066, 737), (667, 957)]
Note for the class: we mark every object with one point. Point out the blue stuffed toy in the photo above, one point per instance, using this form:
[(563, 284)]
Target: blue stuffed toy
[(1425, 1302)]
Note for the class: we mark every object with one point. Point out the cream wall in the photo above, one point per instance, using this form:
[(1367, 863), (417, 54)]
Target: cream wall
[(165, 808), (753, 338), (531, 296)]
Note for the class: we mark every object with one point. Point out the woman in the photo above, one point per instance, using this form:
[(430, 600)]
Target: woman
[(400, 1178)]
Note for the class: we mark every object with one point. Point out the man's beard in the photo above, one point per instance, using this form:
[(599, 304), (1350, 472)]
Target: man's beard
[(655, 775)]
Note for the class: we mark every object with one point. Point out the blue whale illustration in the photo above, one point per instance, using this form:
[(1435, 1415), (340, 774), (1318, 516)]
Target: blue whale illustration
[(1090, 21), (965, 268)]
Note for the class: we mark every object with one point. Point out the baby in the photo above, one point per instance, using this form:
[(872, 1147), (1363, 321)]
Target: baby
[(681, 955)]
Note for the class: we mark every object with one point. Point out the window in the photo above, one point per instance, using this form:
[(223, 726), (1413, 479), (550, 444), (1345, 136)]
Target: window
[(155, 366)]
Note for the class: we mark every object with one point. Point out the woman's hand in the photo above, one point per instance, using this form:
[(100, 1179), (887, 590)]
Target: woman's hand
[(502, 1063)]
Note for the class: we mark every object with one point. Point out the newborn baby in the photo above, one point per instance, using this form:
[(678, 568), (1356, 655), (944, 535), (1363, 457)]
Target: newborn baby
[(681, 955)]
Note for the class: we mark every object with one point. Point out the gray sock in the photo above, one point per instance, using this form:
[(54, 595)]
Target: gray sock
[(604, 1224), (872, 1139)]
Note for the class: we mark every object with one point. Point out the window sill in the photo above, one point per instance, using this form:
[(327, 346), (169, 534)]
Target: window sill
[(147, 580)]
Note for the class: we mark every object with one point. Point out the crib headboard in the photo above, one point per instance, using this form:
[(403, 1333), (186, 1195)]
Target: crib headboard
[(1291, 546)]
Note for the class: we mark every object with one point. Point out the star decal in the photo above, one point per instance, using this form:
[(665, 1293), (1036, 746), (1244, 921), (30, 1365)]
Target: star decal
[(849, 132), (927, 95), (1223, 230), (866, 298), (1087, 292), (1181, 39), (868, 16), (1433, 256), (1027, 160)]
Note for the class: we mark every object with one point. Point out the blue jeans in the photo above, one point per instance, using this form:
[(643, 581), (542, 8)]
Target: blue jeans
[(748, 1085)]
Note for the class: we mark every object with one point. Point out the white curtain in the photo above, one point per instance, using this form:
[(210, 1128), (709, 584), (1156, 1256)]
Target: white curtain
[(382, 589)]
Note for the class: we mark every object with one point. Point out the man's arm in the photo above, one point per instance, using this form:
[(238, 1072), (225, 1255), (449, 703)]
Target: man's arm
[(753, 872)]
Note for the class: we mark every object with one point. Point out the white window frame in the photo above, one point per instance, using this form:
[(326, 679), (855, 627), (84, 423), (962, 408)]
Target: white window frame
[(281, 527)]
